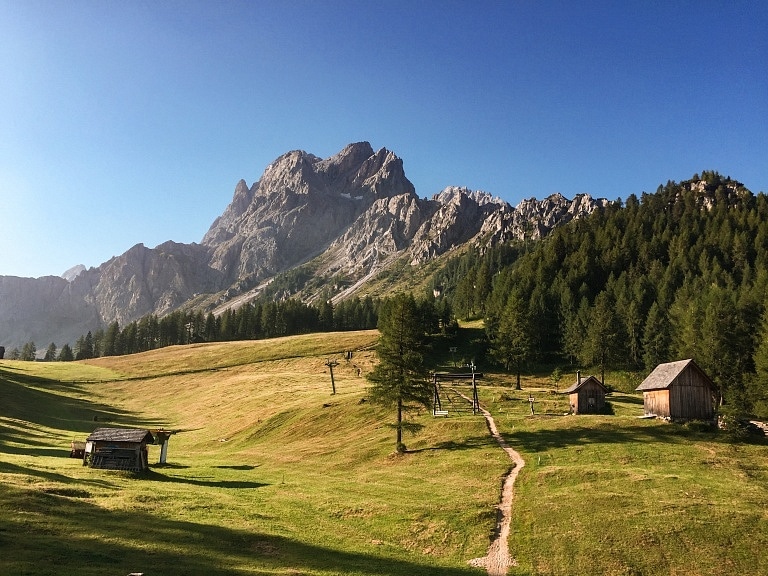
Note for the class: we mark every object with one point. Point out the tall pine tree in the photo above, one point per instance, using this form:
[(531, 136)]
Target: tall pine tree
[(400, 379)]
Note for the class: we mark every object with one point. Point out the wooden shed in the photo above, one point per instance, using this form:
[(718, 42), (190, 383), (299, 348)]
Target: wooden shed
[(679, 391), (118, 449), (586, 396)]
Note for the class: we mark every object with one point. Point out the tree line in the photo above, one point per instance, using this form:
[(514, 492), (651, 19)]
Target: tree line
[(251, 321)]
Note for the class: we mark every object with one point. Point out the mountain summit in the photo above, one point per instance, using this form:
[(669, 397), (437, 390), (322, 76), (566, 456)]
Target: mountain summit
[(299, 206)]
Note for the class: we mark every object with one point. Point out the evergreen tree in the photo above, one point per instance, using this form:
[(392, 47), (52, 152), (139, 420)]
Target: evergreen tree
[(603, 338), (98, 343), (28, 352), (112, 340), (50, 353), (400, 379), (66, 354), (511, 342), (655, 338), (726, 354), (758, 384)]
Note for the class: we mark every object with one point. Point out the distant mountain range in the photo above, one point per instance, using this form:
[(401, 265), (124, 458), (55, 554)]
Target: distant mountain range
[(341, 220)]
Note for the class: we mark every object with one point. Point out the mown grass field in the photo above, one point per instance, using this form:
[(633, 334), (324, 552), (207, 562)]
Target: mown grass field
[(273, 475)]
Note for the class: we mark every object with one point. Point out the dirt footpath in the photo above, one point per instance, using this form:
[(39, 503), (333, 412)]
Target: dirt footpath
[(498, 560)]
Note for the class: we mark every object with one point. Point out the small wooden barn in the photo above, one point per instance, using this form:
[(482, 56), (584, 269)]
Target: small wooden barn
[(586, 396), (679, 391), (118, 449)]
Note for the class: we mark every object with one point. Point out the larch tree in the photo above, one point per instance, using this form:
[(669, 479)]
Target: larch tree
[(758, 386), (400, 379), (512, 341), (604, 336)]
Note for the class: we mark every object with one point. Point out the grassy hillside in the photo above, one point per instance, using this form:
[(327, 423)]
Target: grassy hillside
[(271, 474)]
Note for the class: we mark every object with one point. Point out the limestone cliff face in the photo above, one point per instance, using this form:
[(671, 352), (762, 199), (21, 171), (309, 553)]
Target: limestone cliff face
[(352, 214), (298, 208), (45, 310), (143, 281)]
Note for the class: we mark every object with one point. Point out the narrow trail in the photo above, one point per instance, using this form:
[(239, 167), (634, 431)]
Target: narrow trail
[(498, 559)]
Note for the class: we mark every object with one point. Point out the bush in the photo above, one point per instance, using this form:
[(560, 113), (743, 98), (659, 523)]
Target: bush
[(734, 423)]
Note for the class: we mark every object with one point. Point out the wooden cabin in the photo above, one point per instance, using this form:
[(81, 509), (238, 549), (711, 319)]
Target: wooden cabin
[(118, 449), (586, 396), (679, 391)]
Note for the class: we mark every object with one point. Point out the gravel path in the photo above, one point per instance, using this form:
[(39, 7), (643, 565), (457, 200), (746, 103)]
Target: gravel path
[(498, 560)]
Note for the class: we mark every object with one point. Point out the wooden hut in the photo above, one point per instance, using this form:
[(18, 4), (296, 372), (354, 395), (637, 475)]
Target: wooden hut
[(586, 396), (679, 391), (118, 449)]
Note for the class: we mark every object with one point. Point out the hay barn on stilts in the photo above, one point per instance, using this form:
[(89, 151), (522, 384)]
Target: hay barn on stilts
[(118, 449)]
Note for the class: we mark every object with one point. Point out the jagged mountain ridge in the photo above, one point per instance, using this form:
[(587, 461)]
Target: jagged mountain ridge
[(351, 214)]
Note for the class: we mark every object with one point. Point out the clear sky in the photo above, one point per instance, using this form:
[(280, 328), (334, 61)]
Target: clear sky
[(127, 122)]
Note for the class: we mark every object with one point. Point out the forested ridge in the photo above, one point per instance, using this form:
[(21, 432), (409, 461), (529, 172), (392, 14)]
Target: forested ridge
[(679, 273)]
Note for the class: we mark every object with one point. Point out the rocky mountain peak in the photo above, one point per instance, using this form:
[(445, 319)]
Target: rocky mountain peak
[(339, 167), (299, 206), (73, 272), (453, 194)]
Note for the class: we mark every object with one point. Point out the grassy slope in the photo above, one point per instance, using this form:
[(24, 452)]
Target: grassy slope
[(273, 475)]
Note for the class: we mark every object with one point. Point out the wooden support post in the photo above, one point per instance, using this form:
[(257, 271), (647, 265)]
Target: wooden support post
[(436, 406), (331, 363), (163, 438)]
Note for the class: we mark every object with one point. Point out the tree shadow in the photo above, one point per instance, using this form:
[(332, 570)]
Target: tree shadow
[(8, 468), (472, 443), (32, 406), (230, 484), (80, 537), (669, 433)]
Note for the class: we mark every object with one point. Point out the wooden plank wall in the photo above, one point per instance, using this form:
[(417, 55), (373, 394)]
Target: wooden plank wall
[(691, 397), (657, 402)]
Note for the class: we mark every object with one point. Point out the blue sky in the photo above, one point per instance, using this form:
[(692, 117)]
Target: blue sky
[(128, 122)]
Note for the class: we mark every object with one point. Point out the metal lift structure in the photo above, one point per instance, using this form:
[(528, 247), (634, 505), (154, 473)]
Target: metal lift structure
[(449, 398)]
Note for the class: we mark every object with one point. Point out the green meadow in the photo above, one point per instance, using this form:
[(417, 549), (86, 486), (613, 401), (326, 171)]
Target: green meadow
[(271, 474)]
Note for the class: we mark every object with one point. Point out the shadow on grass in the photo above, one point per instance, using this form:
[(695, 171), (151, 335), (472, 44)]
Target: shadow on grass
[(32, 403), (8, 468), (472, 443), (237, 484), (667, 433), (83, 539)]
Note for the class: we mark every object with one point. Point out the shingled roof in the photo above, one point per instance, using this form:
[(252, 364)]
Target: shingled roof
[(578, 385), (665, 374), (121, 435)]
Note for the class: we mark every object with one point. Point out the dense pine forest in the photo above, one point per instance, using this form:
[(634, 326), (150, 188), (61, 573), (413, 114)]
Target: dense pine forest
[(679, 273)]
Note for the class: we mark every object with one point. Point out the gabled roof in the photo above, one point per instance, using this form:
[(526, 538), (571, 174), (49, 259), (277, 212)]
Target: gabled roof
[(578, 385), (665, 374), (121, 435)]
